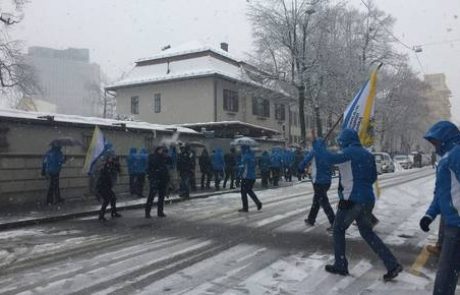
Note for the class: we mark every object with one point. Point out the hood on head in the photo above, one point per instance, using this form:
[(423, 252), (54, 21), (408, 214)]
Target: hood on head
[(348, 137), (245, 148), (446, 133), (132, 150), (144, 151)]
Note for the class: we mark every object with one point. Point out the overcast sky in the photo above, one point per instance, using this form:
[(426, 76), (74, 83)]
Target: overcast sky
[(118, 32)]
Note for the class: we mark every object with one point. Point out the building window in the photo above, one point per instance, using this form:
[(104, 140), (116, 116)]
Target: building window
[(260, 107), (135, 105), (157, 103), (230, 100), (280, 112)]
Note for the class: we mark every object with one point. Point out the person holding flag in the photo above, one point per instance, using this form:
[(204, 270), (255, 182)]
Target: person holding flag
[(358, 173)]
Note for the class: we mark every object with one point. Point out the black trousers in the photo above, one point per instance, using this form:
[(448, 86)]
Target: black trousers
[(132, 184), (276, 171), (320, 199), (265, 177), (54, 192), (108, 196), (229, 174), (160, 188), (217, 177), (246, 189), (140, 182), (206, 179)]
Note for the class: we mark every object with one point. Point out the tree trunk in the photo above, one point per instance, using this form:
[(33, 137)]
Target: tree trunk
[(319, 127), (303, 131)]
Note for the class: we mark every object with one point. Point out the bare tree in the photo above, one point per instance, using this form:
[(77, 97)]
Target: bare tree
[(17, 78)]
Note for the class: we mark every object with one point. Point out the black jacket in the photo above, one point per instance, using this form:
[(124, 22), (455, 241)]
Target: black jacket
[(230, 161), (205, 163), (157, 168), (185, 162)]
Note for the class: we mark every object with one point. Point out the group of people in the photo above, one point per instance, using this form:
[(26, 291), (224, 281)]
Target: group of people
[(356, 195)]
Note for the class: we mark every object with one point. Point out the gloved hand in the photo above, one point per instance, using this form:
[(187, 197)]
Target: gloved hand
[(425, 223)]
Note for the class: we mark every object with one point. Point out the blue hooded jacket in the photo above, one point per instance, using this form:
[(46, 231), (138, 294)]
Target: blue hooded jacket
[(276, 158), (217, 160), (53, 160), (446, 199), (264, 162), (131, 161), (321, 168), (356, 165), (288, 158), (248, 163), (142, 161)]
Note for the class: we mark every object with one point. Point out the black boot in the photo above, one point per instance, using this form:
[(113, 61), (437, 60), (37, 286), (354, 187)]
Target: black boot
[(333, 269), (115, 214), (393, 273)]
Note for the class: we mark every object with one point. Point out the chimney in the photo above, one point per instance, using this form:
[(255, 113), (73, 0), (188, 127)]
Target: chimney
[(224, 46)]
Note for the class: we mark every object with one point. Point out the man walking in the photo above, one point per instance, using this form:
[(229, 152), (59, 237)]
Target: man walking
[(445, 137), (357, 176), (321, 179), (248, 176)]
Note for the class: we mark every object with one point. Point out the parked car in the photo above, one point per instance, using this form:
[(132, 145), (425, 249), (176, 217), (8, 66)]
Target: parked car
[(403, 160), (384, 163)]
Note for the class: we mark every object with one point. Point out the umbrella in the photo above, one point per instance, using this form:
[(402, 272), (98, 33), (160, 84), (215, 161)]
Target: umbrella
[(245, 141), (65, 141)]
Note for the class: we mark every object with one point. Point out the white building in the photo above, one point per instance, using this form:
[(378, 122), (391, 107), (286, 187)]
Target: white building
[(197, 83)]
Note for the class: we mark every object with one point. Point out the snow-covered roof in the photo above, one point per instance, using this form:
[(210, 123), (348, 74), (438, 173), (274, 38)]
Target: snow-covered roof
[(192, 67), (227, 123), (188, 48), (18, 114)]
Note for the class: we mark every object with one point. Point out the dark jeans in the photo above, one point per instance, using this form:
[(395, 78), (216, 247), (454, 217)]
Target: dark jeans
[(140, 182), (246, 189), (320, 199), (185, 184), (229, 174), (265, 177), (108, 196), (132, 184), (449, 263), (217, 178), (441, 232), (288, 174), (193, 180), (160, 188), (54, 192), (362, 214), (206, 179), (276, 175)]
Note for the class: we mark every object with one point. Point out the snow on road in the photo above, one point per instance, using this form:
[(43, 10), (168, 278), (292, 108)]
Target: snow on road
[(205, 246)]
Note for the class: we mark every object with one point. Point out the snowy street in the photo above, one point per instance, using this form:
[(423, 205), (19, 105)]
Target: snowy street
[(206, 247)]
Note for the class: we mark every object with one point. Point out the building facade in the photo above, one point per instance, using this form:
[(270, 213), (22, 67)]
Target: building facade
[(196, 83), (438, 97), (67, 81)]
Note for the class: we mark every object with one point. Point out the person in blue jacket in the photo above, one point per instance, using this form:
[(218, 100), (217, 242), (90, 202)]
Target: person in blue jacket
[(218, 165), (264, 166), (321, 179), (142, 159), (445, 137), (248, 178), (51, 168), (132, 170), (276, 160), (288, 161), (357, 176)]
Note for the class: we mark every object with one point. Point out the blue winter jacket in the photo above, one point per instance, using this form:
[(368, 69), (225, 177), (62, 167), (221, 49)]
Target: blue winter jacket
[(217, 160), (356, 165), (321, 168), (446, 199), (142, 161), (53, 160), (276, 158), (248, 163), (264, 162), (288, 158), (132, 161)]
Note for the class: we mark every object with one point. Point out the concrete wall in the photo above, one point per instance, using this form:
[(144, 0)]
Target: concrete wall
[(27, 141), (186, 101)]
